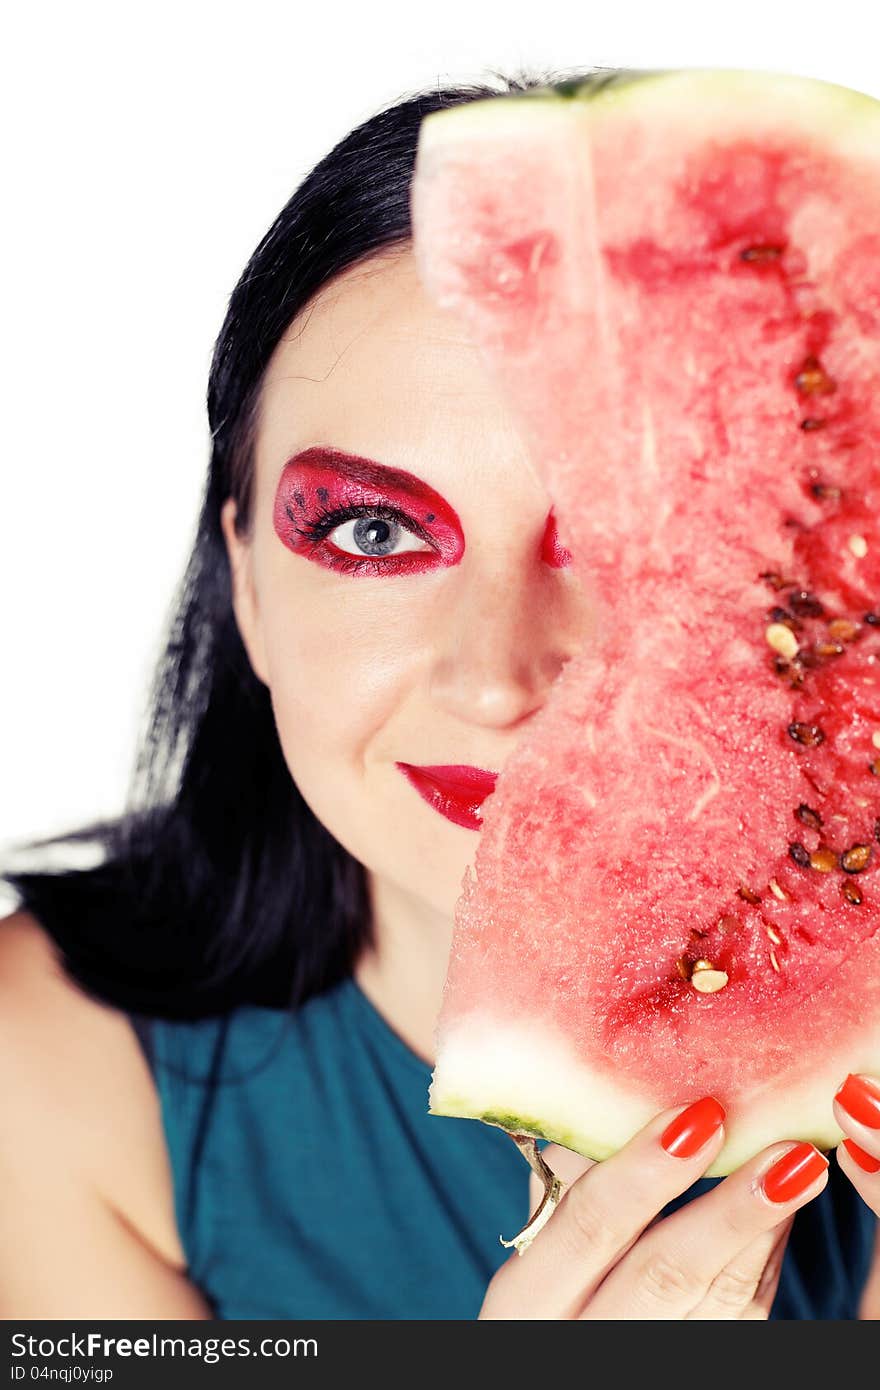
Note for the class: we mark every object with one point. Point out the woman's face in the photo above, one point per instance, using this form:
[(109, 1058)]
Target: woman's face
[(425, 633)]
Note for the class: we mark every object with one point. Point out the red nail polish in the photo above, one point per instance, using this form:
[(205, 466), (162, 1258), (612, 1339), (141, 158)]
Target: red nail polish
[(793, 1173), (688, 1132), (864, 1160), (861, 1099)]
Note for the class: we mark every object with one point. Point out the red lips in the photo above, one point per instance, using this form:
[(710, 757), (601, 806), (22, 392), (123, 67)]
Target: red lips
[(456, 792)]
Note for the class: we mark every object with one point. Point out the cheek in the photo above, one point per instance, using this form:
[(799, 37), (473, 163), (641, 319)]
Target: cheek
[(339, 666)]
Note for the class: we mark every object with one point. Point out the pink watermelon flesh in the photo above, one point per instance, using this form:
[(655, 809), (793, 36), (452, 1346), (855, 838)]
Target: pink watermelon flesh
[(677, 284)]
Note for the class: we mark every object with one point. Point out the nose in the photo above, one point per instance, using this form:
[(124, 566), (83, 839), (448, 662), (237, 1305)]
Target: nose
[(510, 631)]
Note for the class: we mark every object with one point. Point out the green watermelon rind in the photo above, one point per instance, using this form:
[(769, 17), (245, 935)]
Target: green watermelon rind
[(825, 1139), (729, 1159)]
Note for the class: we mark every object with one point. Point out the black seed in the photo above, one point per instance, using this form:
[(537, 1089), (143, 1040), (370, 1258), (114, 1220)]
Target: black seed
[(805, 604), (323, 494), (851, 891), (807, 816), (877, 830), (871, 618), (811, 423), (826, 492), (430, 516), (799, 855), (806, 734), (855, 859), (299, 499)]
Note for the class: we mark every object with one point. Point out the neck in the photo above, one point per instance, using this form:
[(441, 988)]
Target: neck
[(403, 973)]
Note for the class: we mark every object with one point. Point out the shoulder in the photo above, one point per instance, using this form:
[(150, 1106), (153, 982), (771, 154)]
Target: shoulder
[(77, 1090)]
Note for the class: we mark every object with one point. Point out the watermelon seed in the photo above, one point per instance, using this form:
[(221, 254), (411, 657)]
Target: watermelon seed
[(855, 859), (682, 968), (813, 380), (774, 961), (875, 738), (877, 830), (829, 649), (774, 579), (809, 735), (811, 423), (823, 859), (825, 492), (799, 854), (728, 924), (805, 604), (874, 767), (781, 638), (761, 253), (773, 935), (807, 816), (747, 895), (873, 619), (859, 546), (782, 668), (778, 891), (782, 615), (843, 630), (851, 891), (708, 980)]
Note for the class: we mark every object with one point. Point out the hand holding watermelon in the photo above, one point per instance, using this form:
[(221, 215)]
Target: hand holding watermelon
[(599, 1257)]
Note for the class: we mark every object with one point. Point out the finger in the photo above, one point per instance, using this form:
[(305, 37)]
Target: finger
[(857, 1111), (863, 1171), (567, 1165), (766, 1292), (670, 1271), (747, 1285), (603, 1212)]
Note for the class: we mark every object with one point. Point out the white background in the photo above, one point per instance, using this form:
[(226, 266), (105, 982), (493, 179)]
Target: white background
[(146, 152)]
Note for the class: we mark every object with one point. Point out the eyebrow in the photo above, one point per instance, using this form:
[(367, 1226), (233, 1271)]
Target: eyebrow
[(362, 470)]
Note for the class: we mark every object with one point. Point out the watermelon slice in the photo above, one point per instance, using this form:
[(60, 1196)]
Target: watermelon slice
[(676, 280)]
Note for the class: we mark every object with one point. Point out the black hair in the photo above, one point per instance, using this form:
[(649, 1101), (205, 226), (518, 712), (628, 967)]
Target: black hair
[(218, 886)]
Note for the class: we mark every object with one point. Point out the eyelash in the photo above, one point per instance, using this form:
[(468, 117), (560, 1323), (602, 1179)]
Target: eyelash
[(322, 523)]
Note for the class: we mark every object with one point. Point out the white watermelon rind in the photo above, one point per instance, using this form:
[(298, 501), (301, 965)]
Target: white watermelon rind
[(740, 100), (519, 1076)]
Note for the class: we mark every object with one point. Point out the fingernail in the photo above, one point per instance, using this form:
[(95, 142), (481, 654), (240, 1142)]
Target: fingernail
[(861, 1099), (793, 1173), (864, 1160), (688, 1132)]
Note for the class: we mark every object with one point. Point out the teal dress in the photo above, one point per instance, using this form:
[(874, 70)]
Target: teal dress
[(311, 1182)]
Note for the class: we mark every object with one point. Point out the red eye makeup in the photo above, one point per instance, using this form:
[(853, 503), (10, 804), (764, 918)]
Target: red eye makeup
[(552, 552), (400, 524)]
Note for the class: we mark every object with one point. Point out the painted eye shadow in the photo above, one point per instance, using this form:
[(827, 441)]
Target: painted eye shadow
[(321, 488), (552, 552)]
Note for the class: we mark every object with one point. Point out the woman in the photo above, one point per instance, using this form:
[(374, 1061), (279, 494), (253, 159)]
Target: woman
[(272, 918)]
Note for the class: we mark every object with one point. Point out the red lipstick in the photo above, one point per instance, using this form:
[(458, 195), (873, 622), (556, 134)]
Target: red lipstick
[(455, 791)]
